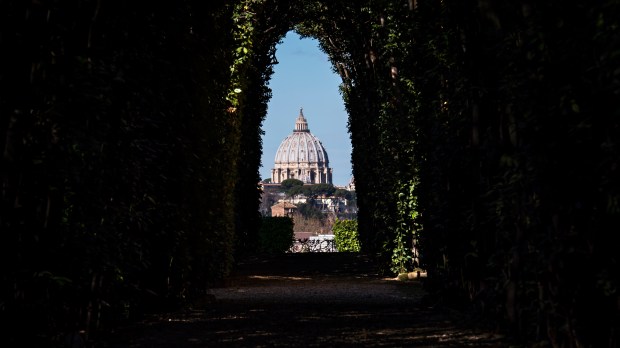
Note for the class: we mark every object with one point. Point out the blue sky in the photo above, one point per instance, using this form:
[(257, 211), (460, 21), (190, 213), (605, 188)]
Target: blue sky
[(303, 79)]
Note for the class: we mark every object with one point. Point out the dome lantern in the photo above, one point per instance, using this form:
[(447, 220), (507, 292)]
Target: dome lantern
[(301, 125)]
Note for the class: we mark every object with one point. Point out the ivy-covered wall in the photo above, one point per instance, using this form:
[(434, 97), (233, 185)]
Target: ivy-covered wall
[(496, 121), (118, 162)]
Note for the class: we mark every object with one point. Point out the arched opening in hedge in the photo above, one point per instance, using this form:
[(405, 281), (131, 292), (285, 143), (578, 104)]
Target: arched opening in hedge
[(303, 78)]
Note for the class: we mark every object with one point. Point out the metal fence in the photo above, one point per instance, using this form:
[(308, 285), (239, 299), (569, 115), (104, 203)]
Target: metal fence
[(314, 246)]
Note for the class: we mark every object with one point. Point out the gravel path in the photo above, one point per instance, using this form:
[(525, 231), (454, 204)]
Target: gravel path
[(310, 300), (315, 278)]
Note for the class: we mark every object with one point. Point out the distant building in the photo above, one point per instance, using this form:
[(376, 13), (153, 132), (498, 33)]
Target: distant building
[(283, 209), (301, 156), (351, 185)]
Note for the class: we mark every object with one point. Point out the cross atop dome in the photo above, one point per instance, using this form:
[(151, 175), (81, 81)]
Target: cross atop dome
[(301, 125)]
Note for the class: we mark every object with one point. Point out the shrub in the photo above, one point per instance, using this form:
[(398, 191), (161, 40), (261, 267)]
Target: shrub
[(276, 234), (345, 235)]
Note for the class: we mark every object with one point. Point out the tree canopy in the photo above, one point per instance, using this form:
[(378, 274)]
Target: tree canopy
[(290, 183)]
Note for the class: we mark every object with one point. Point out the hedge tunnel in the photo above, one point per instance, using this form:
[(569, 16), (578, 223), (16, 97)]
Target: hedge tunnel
[(485, 132)]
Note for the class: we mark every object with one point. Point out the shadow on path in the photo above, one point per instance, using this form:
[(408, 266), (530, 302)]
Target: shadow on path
[(310, 300)]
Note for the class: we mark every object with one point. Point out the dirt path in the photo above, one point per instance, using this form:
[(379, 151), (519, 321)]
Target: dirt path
[(310, 300)]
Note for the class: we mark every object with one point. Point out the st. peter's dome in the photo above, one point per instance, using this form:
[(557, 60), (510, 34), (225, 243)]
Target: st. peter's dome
[(301, 156)]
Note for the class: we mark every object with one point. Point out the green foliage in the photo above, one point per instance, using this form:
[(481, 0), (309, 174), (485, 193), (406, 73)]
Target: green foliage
[(259, 25), (404, 255), (291, 183), (309, 210), (276, 234), (292, 187), (295, 191), (346, 236), (346, 194), (317, 190)]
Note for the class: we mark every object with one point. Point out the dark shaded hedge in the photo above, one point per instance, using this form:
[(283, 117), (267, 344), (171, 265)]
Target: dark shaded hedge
[(117, 140), (276, 234), (131, 143)]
